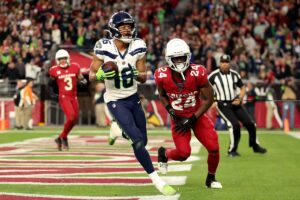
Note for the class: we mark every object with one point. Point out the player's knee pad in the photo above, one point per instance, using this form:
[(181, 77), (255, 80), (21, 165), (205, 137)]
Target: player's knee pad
[(139, 144)]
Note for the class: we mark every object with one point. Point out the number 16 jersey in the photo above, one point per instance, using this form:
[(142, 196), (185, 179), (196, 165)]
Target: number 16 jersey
[(123, 85), (66, 79)]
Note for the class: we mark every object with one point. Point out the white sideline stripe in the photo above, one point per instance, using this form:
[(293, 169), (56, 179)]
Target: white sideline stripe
[(171, 168), (154, 197), (294, 134), (174, 168), (171, 180)]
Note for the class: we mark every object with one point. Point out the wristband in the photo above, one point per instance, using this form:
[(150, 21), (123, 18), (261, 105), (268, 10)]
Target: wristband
[(168, 107)]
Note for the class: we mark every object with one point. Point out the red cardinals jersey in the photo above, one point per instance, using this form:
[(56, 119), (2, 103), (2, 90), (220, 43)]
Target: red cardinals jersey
[(184, 97), (66, 78)]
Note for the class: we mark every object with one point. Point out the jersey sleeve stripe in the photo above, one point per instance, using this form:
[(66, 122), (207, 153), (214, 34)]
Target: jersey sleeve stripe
[(138, 50), (105, 53)]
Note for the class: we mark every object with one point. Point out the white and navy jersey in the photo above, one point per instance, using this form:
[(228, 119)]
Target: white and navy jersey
[(123, 85), (226, 86)]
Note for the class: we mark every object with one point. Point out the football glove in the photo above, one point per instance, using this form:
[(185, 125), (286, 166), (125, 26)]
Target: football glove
[(135, 73), (171, 111), (101, 75), (185, 123)]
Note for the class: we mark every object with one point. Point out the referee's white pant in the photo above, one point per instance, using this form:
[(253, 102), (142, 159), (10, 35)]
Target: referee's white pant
[(232, 115)]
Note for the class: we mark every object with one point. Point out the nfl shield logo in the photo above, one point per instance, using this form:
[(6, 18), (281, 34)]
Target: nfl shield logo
[(58, 72)]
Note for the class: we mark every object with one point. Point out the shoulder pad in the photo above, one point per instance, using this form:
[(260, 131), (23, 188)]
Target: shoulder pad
[(139, 42), (101, 43)]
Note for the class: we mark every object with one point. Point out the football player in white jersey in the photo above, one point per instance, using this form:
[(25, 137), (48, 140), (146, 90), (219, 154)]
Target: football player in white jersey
[(121, 97)]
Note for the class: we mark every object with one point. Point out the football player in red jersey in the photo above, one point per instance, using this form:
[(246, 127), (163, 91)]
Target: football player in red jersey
[(66, 74), (180, 85)]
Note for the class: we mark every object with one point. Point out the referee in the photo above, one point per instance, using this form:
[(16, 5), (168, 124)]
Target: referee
[(229, 91)]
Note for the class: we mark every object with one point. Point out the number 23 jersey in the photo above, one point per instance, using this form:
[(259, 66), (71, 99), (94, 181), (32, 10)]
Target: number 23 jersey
[(123, 85), (183, 97), (66, 78)]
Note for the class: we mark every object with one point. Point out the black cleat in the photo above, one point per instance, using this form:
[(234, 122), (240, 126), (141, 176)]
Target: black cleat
[(65, 144), (233, 154), (259, 149), (58, 143), (162, 155), (162, 160), (213, 184)]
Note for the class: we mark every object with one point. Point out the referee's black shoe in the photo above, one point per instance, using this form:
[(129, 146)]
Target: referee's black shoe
[(233, 154), (259, 149)]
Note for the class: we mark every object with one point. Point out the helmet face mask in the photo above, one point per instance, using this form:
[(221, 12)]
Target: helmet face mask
[(178, 55), (62, 58), (119, 19)]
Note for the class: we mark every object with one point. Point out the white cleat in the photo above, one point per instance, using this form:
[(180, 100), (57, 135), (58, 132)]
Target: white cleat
[(167, 190), (114, 132), (215, 185), (162, 167)]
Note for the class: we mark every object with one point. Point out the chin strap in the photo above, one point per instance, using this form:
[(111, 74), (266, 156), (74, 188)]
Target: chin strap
[(64, 66), (182, 76)]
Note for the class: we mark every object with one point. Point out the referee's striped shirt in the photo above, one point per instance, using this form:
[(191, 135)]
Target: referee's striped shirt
[(226, 86)]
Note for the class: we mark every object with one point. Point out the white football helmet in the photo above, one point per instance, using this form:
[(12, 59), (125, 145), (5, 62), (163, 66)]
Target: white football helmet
[(177, 48), (62, 54)]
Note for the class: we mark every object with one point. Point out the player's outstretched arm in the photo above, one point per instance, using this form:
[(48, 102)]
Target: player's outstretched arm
[(95, 65)]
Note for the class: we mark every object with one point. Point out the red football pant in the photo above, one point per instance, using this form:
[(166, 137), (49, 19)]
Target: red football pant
[(70, 107), (205, 133)]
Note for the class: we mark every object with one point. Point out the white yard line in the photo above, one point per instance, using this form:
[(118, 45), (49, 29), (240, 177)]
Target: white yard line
[(155, 197), (294, 134)]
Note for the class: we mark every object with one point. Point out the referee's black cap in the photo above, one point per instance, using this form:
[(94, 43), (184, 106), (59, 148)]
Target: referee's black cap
[(225, 58)]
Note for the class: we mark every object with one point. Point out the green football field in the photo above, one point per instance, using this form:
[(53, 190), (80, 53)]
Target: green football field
[(32, 168)]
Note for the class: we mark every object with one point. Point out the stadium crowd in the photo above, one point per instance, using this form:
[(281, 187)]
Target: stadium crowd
[(259, 35)]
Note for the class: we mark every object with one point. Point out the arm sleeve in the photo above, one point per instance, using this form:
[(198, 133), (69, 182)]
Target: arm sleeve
[(202, 79), (141, 50)]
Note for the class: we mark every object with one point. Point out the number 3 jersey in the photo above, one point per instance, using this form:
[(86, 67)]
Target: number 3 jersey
[(65, 78), (124, 85), (183, 97)]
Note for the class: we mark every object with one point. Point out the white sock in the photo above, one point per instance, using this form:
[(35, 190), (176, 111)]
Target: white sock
[(157, 181)]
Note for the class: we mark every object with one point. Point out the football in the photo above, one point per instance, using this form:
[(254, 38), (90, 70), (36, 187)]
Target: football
[(110, 66)]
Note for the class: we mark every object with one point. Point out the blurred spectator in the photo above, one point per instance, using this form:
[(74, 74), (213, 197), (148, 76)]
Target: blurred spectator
[(210, 62), (21, 68), (18, 106), (289, 97), (12, 73), (28, 99), (250, 99), (265, 92), (32, 70), (56, 34)]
